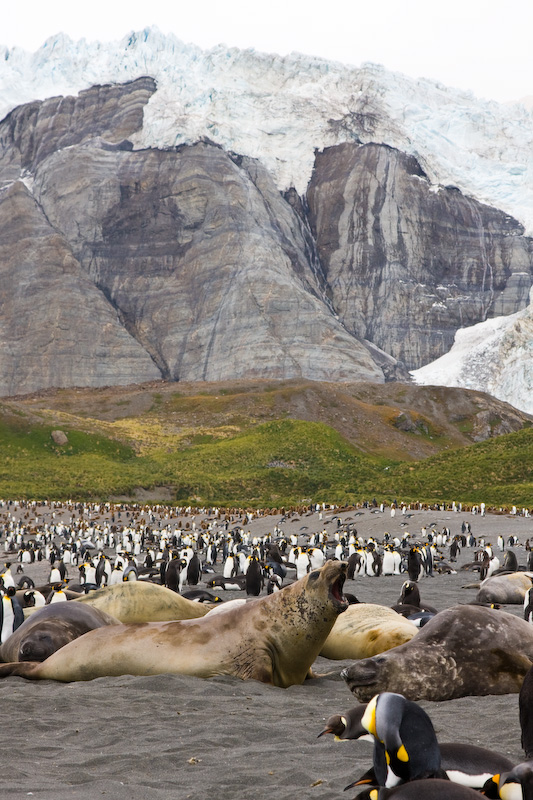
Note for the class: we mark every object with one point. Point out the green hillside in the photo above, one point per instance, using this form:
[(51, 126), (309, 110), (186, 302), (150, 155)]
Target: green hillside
[(252, 448)]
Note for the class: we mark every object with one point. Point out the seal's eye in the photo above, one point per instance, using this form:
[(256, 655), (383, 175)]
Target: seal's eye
[(314, 575)]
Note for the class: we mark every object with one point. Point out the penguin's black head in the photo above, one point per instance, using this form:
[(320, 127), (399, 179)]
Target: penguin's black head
[(520, 777), (335, 725), (347, 725)]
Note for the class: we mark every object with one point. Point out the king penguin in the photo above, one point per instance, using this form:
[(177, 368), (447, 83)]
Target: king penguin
[(405, 743), (461, 763), (254, 577), (12, 615)]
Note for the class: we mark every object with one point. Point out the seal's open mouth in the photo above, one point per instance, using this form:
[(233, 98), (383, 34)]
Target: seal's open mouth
[(336, 594)]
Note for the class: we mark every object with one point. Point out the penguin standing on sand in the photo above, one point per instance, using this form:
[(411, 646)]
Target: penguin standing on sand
[(414, 564), (172, 572), (103, 571), (389, 564), (117, 574), (230, 567), (11, 614), (194, 570), (55, 576), (254, 577), (455, 549), (6, 578)]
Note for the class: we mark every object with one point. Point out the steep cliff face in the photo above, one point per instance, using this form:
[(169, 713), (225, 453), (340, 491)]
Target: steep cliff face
[(203, 265), (123, 265), (408, 263), (203, 259), (34, 131), (56, 328)]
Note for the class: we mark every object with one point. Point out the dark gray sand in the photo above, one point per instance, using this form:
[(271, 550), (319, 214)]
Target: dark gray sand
[(184, 738)]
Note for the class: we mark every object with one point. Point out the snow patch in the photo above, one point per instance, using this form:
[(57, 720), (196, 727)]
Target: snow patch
[(495, 356), (280, 109)]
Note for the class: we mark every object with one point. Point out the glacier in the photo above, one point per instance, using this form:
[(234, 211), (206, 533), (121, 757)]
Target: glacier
[(495, 356), (280, 110)]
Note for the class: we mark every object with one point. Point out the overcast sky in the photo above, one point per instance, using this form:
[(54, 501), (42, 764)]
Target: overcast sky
[(482, 45)]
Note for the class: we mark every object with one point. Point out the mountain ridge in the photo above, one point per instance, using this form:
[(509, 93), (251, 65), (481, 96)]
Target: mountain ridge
[(242, 214)]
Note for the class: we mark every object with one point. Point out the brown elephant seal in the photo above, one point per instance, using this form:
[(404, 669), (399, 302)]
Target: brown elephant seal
[(51, 627), (510, 588), (137, 601), (464, 650), (274, 639), (366, 629)]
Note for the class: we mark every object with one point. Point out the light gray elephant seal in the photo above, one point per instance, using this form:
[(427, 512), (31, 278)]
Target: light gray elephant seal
[(137, 601), (510, 588), (274, 639), (464, 650), (366, 629), (51, 627)]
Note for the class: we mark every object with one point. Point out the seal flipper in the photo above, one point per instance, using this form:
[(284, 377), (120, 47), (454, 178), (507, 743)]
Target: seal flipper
[(514, 663), (24, 669)]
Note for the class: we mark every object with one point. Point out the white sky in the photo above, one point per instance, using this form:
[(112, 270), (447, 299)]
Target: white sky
[(482, 45)]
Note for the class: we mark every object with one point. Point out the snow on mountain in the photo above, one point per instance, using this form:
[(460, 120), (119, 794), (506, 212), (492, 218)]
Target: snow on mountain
[(280, 109), (495, 356)]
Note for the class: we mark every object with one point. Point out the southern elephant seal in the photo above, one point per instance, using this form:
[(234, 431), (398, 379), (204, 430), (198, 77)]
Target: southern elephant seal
[(274, 639), (366, 629), (510, 588), (136, 601), (51, 627), (464, 650)]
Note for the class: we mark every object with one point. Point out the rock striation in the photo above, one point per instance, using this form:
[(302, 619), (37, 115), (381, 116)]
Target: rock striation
[(407, 263), (122, 265)]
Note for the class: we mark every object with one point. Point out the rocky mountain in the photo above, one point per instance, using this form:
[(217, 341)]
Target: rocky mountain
[(229, 215)]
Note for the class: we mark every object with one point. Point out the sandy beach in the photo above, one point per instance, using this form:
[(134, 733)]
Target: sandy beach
[(173, 736)]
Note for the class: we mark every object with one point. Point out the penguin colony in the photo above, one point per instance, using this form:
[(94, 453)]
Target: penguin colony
[(90, 546)]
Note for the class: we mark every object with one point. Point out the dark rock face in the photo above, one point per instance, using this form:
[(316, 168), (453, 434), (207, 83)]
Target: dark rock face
[(34, 131), (56, 327), (122, 266), (203, 260), (408, 263)]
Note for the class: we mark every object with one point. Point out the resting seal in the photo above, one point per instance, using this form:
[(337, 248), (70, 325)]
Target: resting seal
[(136, 601), (510, 588), (51, 627), (464, 650), (365, 630), (274, 639)]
